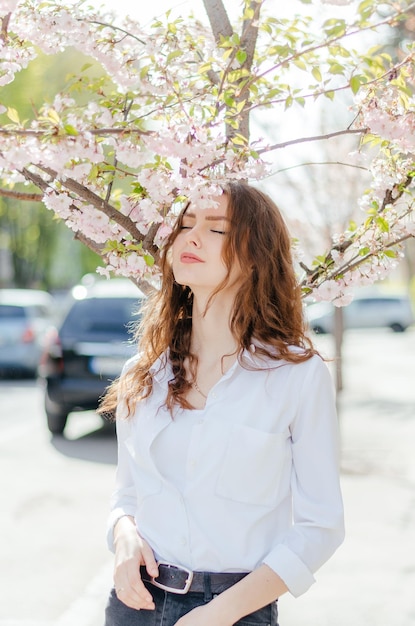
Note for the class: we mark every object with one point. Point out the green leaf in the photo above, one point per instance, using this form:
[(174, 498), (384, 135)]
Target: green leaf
[(13, 115), (232, 123), (52, 115), (316, 73), (239, 107), (70, 130), (241, 56), (336, 68), (300, 64), (204, 68), (149, 259), (239, 140), (356, 82), (288, 102), (229, 99), (390, 253), (383, 224), (174, 55), (334, 27), (366, 8)]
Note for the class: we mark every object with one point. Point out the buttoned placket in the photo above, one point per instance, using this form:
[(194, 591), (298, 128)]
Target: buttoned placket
[(191, 466)]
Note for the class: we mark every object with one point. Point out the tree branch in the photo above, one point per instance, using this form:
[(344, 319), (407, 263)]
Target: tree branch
[(308, 163), (143, 285), (347, 131), (248, 44), (92, 198), (96, 201), (92, 245), (4, 27), (218, 19), (21, 195), (24, 132)]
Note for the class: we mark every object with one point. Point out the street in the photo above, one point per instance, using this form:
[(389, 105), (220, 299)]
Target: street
[(54, 561), (55, 569)]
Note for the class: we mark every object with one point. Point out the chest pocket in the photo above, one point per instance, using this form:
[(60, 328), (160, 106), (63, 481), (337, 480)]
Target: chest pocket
[(253, 466)]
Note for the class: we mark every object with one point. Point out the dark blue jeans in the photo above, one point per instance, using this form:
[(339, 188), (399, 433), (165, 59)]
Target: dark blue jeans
[(170, 607)]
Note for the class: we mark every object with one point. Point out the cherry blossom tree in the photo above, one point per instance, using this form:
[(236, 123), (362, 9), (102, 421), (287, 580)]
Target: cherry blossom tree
[(168, 121)]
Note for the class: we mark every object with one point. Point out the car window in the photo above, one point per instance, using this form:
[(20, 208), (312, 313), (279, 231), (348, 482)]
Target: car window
[(40, 310), (100, 319), (9, 311), (376, 302)]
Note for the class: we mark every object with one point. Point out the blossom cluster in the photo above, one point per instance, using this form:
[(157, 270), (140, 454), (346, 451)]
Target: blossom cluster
[(156, 134), (386, 116), (375, 248)]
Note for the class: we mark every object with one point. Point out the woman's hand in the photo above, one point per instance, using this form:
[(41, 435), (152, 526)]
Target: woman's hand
[(131, 551), (202, 616)]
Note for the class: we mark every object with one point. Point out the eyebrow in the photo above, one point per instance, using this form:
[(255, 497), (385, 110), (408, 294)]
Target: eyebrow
[(210, 218)]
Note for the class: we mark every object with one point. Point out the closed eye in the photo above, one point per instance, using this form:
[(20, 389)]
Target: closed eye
[(219, 232)]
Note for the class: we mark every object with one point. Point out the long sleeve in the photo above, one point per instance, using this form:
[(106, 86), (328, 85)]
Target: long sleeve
[(318, 522)]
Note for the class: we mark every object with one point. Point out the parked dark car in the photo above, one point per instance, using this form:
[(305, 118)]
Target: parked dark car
[(89, 348), (25, 316)]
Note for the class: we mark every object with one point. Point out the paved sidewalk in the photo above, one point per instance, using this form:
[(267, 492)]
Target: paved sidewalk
[(371, 579)]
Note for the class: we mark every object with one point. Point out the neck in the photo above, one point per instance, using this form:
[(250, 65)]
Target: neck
[(211, 334)]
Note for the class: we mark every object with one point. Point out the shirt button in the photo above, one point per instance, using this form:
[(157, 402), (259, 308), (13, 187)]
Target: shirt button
[(183, 541), (200, 422), (213, 395)]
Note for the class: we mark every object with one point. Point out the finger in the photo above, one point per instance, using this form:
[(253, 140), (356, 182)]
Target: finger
[(149, 561), (140, 592), (133, 598), (131, 590)]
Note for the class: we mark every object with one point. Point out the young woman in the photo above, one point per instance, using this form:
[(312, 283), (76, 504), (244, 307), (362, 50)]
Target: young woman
[(227, 489)]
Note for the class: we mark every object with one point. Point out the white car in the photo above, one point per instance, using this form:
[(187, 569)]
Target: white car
[(365, 311), (25, 316)]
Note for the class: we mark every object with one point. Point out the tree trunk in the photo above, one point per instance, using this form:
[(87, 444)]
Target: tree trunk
[(338, 343)]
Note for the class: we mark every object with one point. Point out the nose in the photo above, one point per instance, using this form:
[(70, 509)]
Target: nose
[(192, 237)]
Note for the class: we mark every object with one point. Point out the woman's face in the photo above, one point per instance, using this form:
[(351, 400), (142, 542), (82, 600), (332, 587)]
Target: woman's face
[(197, 250)]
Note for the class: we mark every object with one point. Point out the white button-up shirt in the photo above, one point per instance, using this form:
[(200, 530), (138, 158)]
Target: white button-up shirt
[(251, 478)]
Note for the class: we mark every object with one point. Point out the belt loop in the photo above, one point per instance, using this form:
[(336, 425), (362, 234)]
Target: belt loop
[(207, 587)]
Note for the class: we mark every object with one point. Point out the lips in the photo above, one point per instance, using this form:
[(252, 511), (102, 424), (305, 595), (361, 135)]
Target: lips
[(188, 257)]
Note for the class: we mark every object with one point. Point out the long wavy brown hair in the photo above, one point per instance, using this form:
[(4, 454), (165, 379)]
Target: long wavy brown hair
[(267, 308)]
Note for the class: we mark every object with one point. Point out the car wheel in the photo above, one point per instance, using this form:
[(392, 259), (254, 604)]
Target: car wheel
[(319, 330), (397, 327), (56, 417)]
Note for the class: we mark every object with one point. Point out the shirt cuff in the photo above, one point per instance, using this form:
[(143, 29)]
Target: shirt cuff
[(113, 518), (290, 569)]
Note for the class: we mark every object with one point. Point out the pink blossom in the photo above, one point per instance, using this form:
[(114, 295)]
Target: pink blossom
[(333, 291), (7, 6), (131, 154), (60, 203), (132, 264), (163, 232)]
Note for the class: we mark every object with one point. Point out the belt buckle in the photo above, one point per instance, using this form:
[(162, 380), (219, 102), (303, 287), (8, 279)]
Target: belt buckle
[(174, 568)]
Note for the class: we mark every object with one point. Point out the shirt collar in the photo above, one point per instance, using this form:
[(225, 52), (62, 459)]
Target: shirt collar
[(162, 370)]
